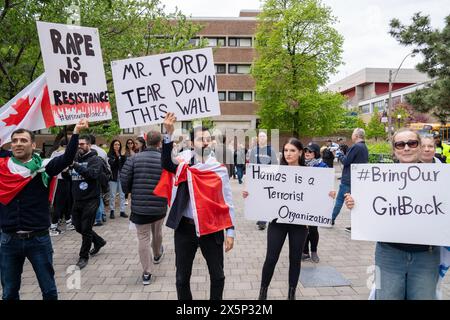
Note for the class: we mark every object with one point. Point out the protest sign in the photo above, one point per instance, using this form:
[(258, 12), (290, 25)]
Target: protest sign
[(74, 71), (147, 88), (401, 203), (291, 194)]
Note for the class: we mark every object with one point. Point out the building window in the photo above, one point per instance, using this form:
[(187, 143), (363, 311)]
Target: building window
[(215, 42), (222, 96), (240, 96), (365, 108), (239, 42), (220, 68), (194, 41), (128, 131), (379, 105), (42, 131), (239, 68)]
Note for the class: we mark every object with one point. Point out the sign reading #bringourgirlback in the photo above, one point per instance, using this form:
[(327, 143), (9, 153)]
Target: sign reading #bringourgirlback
[(74, 72), (290, 194), (401, 203), (147, 88)]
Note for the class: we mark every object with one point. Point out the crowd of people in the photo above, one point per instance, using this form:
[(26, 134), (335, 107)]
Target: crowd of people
[(72, 189)]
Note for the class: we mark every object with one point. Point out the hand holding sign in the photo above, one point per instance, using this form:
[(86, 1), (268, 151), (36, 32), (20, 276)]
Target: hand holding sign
[(82, 124), (349, 202), (169, 122)]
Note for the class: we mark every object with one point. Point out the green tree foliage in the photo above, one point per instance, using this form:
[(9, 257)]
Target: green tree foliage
[(129, 28), (375, 128), (434, 45), (297, 51)]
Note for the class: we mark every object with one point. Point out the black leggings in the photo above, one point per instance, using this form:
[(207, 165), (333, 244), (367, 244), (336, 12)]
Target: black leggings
[(313, 238), (276, 234)]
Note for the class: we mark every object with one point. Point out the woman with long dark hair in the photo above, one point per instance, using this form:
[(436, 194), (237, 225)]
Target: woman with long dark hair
[(130, 148), (140, 144), (116, 161), (292, 155)]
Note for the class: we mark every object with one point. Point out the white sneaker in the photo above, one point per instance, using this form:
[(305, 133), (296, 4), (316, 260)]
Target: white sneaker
[(70, 227), (55, 232)]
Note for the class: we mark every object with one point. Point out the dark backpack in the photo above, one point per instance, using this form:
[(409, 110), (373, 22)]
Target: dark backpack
[(105, 177)]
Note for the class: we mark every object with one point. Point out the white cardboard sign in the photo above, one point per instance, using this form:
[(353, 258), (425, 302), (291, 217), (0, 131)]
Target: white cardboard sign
[(74, 70), (401, 203), (291, 194), (147, 88)]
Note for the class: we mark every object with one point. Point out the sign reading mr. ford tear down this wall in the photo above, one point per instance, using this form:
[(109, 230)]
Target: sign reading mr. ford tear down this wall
[(401, 203), (74, 73), (147, 88)]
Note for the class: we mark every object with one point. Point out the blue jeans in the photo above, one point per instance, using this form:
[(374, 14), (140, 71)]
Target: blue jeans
[(406, 275), (343, 189), (39, 252), (100, 211), (240, 172), (116, 188)]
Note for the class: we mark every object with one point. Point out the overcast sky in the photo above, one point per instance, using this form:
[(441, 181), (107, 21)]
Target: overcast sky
[(363, 23)]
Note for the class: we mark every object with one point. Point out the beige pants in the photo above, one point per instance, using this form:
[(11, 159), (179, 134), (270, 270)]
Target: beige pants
[(143, 234)]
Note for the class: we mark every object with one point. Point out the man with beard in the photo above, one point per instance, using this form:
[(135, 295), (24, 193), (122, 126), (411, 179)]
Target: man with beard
[(24, 212), (86, 196), (201, 211)]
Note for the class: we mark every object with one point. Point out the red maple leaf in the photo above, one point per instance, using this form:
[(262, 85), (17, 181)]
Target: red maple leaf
[(22, 106)]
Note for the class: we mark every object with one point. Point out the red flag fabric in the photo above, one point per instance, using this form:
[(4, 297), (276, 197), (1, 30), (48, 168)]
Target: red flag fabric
[(209, 191), (29, 109), (13, 178)]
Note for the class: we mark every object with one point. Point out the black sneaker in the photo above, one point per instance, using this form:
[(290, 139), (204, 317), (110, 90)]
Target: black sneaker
[(305, 256), (111, 215), (96, 249), (146, 278), (332, 222), (158, 259), (82, 262), (123, 215), (348, 229), (104, 217), (98, 224)]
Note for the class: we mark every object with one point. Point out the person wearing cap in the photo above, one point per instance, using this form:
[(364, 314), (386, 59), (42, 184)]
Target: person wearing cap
[(313, 159), (442, 149)]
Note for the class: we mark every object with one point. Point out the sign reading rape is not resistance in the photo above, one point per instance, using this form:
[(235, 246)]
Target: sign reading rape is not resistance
[(401, 203), (74, 72), (291, 194), (147, 88)]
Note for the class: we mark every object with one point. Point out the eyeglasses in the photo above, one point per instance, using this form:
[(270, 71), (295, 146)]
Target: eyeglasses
[(400, 145)]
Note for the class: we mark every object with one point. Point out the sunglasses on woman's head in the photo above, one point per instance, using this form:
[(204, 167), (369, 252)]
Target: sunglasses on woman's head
[(412, 144)]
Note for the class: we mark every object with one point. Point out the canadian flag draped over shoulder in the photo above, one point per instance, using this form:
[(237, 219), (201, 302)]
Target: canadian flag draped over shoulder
[(29, 109), (209, 191)]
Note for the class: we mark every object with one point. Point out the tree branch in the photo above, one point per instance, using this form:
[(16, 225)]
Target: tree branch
[(34, 67)]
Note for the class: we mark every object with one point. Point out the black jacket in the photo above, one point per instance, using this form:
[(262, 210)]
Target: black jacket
[(116, 163), (85, 176), (139, 176), (29, 210), (358, 153)]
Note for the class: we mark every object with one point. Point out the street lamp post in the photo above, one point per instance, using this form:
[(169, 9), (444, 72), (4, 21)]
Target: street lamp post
[(391, 82), (399, 119)]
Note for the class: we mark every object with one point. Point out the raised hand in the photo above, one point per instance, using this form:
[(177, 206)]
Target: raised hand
[(169, 122), (82, 124)]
